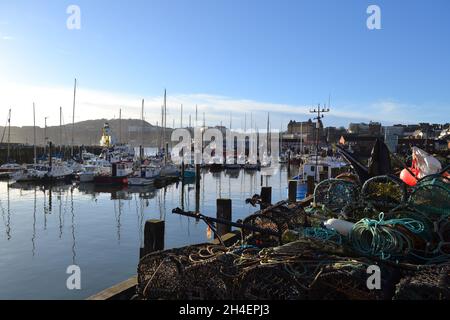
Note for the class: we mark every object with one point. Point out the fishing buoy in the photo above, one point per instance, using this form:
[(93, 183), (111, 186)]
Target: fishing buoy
[(341, 226), (208, 233), (408, 178)]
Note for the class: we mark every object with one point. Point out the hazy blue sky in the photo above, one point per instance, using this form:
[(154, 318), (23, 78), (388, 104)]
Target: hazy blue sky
[(239, 56)]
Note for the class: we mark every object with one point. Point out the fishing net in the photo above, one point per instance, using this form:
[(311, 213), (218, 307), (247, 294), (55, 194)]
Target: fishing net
[(276, 227), (307, 269), (431, 283), (335, 194), (384, 193), (431, 196), (160, 274), (300, 270), (275, 219)]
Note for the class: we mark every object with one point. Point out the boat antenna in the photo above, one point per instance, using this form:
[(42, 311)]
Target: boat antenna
[(319, 111)]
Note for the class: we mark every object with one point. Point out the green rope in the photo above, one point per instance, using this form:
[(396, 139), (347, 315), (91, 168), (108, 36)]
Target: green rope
[(323, 234), (380, 237)]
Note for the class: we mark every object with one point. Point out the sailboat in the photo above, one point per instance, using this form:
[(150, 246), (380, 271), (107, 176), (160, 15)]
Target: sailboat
[(168, 169), (8, 168), (147, 173)]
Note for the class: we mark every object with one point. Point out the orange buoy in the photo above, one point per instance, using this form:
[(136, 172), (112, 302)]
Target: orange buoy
[(408, 178)]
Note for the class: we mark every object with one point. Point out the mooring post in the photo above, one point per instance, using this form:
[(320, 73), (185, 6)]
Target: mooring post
[(292, 191), (310, 185), (224, 212), (266, 197), (153, 236)]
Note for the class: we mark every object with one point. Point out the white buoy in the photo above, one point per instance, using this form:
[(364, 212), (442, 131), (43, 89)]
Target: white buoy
[(341, 226)]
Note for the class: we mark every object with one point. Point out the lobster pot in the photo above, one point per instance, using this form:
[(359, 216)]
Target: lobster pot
[(431, 283), (432, 196)]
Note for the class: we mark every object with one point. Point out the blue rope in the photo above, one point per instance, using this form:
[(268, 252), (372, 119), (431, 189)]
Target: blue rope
[(323, 234), (380, 238)]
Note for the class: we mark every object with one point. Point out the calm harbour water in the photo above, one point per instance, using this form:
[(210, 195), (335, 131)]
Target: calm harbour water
[(44, 230)]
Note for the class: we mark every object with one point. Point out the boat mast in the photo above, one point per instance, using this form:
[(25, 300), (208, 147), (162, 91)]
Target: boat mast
[(9, 135), (196, 115), (34, 133), (268, 133), (142, 130), (120, 126), (301, 137), (161, 130), (60, 129), (73, 114), (181, 120), (165, 125)]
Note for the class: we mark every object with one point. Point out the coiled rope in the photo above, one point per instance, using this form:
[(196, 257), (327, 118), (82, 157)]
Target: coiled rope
[(381, 238)]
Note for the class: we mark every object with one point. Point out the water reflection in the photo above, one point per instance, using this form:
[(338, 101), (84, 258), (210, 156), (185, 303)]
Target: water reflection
[(100, 227)]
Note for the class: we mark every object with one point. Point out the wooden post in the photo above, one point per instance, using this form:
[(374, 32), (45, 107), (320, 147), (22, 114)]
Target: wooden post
[(153, 236), (197, 187), (310, 185), (266, 197), (292, 191), (224, 212)]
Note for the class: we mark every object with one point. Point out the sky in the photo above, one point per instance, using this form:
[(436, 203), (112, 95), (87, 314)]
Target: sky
[(238, 59)]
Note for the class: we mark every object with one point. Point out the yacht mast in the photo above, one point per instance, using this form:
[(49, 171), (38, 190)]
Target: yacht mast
[(9, 135), (165, 124), (181, 120), (120, 126), (141, 147), (73, 114), (34, 133), (60, 129)]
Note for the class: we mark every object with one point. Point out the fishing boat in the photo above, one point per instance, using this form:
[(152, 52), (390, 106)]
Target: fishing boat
[(169, 170), (189, 172), (88, 173), (10, 168), (43, 173), (118, 175), (320, 168), (145, 176)]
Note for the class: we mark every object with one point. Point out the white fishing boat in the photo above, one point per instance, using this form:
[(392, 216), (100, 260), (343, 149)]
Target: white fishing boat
[(146, 176), (88, 173), (10, 168), (43, 173)]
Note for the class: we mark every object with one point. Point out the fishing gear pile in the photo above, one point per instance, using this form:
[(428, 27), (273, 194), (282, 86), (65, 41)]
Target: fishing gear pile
[(356, 224)]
